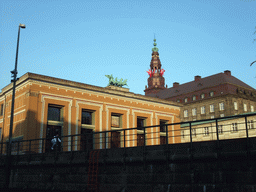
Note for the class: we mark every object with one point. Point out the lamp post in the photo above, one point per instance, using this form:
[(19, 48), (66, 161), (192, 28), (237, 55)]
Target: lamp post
[(14, 73)]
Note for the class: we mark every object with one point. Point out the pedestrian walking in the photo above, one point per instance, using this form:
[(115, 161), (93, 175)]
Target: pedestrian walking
[(56, 142)]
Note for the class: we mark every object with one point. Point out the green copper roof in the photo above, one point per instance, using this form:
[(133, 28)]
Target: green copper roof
[(155, 49)]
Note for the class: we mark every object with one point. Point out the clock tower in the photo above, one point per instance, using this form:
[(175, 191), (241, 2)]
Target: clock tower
[(156, 81)]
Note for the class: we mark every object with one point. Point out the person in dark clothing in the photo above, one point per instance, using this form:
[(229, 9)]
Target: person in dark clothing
[(56, 142)]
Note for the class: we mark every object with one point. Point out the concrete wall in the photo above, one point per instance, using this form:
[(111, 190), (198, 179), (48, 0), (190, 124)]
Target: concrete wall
[(204, 168)]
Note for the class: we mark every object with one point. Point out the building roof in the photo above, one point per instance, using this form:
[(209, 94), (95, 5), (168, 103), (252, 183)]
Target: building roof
[(201, 83), (108, 90)]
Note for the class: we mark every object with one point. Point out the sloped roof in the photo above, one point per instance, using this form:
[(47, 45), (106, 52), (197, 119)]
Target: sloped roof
[(210, 81)]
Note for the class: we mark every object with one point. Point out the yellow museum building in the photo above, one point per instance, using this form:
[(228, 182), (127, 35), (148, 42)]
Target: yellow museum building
[(46, 105)]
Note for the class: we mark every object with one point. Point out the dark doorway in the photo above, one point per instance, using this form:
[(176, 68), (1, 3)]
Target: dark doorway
[(140, 139), (51, 131), (86, 142), (115, 139)]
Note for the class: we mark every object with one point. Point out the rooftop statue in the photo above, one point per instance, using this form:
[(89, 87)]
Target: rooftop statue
[(115, 82)]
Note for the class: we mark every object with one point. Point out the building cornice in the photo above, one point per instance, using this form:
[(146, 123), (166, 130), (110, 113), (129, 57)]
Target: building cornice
[(72, 84)]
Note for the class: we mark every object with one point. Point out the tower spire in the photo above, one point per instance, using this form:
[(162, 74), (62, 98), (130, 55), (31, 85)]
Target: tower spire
[(156, 81), (155, 49)]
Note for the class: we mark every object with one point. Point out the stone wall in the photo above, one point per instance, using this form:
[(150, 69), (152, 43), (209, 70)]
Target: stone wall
[(200, 166)]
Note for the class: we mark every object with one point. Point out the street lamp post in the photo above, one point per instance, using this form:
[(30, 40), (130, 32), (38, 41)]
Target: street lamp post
[(14, 73)]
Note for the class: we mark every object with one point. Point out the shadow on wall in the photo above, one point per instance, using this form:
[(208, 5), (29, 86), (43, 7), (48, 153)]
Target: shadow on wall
[(26, 136)]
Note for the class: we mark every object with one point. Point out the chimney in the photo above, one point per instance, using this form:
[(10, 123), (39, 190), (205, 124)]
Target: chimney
[(175, 84), (197, 78), (227, 72)]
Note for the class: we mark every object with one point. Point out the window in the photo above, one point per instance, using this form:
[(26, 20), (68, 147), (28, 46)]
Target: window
[(141, 122), (234, 127), (87, 117), (212, 117), (178, 100), (221, 105), (194, 111), (245, 107), (194, 98), (186, 100), (185, 113), (1, 109), (54, 113), (220, 129), (203, 110), (162, 127), (116, 120), (202, 96), (206, 131), (211, 94), (252, 108), (250, 124), (182, 134), (211, 108), (222, 115), (235, 105), (193, 132)]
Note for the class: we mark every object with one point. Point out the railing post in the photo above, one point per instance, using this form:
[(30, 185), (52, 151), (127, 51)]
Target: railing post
[(124, 154), (29, 151), (191, 158), (167, 147), (217, 135), (190, 129), (246, 127), (247, 137), (18, 150), (43, 148), (144, 150), (2, 147), (29, 146), (105, 154), (72, 143)]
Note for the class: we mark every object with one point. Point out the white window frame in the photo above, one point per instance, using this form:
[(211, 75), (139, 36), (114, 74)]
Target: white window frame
[(202, 96), (193, 130), (193, 98), (220, 129), (203, 110), (235, 106), (185, 113), (250, 124), (234, 127), (212, 117), (222, 115), (245, 107), (194, 112), (252, 108), (212, 108), (211, 94), (206, 131), (221, 106), (186, 100)]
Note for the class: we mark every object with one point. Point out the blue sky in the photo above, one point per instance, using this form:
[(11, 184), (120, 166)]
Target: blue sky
[(84, 40)]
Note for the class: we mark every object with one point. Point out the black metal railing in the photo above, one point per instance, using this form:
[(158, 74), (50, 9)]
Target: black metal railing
[(232, 127)]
